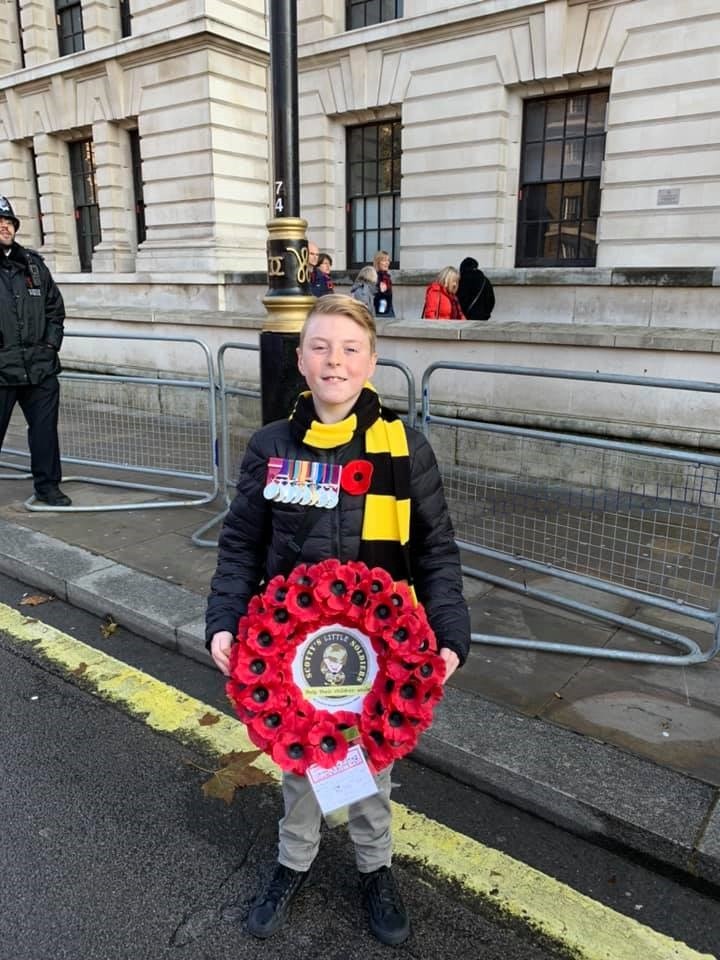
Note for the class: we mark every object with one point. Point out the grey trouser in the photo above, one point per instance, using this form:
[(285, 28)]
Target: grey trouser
[(368, 825)]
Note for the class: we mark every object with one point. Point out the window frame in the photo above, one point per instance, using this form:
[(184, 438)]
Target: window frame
[(69, 13), (360, 168), (363, 10), (138, 191), (554, 176), (84, 190)]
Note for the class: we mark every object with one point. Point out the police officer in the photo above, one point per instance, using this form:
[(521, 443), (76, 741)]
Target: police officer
[(31, 331)]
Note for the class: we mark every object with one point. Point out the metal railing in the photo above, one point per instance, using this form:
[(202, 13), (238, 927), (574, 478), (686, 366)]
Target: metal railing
[(632, 520), (146, 426)]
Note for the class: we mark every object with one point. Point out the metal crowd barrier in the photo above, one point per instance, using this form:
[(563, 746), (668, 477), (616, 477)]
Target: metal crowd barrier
[(120, 424), (632, 520), (233, 440)]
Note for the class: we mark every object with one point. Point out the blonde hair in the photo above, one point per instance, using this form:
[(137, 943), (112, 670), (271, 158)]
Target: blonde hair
[(341, 305), (448, 276), (367, 273), (380, 255)]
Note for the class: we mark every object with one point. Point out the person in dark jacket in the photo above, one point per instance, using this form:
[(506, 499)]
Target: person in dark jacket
[(320, 280), (475, 292), (335, 422), (32, 315)]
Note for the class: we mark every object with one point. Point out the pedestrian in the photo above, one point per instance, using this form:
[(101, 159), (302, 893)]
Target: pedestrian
[(441, 302), (338, 419), (475, 292), (313, 254), (323, 281), (365, 288), (384, 295), (32, 314)]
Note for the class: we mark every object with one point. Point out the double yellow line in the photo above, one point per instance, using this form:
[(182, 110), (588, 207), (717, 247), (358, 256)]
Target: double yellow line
[(585, 927)]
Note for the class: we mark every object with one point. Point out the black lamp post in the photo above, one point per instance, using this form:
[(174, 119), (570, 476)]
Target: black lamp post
[(288, 298)]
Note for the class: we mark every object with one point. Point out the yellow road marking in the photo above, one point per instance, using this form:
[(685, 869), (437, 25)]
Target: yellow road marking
[(587, 928)]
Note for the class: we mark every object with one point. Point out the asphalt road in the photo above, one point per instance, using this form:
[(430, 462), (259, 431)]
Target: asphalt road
[(108, 848)]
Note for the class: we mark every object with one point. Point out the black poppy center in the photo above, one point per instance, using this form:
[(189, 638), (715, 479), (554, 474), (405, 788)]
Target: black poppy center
[(260, 694), (358, 598), (304, 599), (295, 751), (426, 669), (338, 588), (328, 744), (400, 634), (280, 594), (257, 667), (395, 719), (272, 720), (396, 600), (281, 615), (264, 639), (407, 691), (382, 611)]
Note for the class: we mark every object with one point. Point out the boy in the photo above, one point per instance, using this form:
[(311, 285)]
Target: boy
[(337, 357)]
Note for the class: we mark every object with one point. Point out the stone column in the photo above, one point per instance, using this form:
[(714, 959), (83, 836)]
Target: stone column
[(10, 56), (113, 178), (39, 31), (56, 203), (101, 23), (18, 185)]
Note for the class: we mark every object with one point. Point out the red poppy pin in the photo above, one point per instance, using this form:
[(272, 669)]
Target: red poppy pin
[(356, 476)]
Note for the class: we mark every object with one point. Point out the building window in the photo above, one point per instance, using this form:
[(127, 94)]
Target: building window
[(363, 13), (68, 14), (125, 19), (373, 202), (36, 182), (137, 185), (87, 212), (562, 153)]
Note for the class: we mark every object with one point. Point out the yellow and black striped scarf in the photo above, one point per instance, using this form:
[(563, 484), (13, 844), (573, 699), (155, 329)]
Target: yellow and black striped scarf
[(385, 536)]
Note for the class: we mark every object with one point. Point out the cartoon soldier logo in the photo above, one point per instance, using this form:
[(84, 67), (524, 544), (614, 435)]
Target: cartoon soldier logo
[(333, 660)]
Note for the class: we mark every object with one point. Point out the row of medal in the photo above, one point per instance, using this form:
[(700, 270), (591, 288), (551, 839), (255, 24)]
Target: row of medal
[(304, 482)]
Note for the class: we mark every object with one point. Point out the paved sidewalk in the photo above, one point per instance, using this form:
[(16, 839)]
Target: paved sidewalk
[(629, 753)]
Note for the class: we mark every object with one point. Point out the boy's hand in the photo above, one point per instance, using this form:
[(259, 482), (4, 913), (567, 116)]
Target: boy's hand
[(452, 662), (220, 646)]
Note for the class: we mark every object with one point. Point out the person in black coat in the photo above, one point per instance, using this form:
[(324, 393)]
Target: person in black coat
[(32, 315), (475, 292)]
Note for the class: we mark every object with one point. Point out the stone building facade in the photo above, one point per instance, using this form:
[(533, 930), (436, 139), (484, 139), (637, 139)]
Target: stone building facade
[(556, 142)]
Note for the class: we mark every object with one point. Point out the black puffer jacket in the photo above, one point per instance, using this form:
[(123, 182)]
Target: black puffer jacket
[(31, 319), (253, 542)]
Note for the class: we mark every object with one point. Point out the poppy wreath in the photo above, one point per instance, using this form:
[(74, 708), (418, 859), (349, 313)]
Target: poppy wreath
[(398, 707)]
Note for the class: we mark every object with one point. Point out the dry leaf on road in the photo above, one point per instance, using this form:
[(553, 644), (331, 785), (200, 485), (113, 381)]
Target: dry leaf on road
[(235, 772), (35, 599)]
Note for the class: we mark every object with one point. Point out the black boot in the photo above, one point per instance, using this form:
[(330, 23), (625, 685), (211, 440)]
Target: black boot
[(53, 497), (388, 917), (271, 908)]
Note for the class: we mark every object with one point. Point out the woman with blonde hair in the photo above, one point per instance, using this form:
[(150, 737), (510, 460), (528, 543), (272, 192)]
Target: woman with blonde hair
[(383, 294), (441, 302)]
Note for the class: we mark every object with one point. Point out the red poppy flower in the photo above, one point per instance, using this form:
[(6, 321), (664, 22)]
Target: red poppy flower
[(379, 751), (291, 751), (263, 635), (252, 667), (264, 696), (356, 476), (328, 743), (301, 603), (333, 588), (381, 615)]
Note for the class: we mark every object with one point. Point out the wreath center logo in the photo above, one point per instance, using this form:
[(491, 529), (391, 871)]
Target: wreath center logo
[(335, 667)]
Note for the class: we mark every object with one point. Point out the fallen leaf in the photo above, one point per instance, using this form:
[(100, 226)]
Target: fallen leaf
[(208, 719), (79, 669), (235, 772), (108, 628), (35, 599)]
